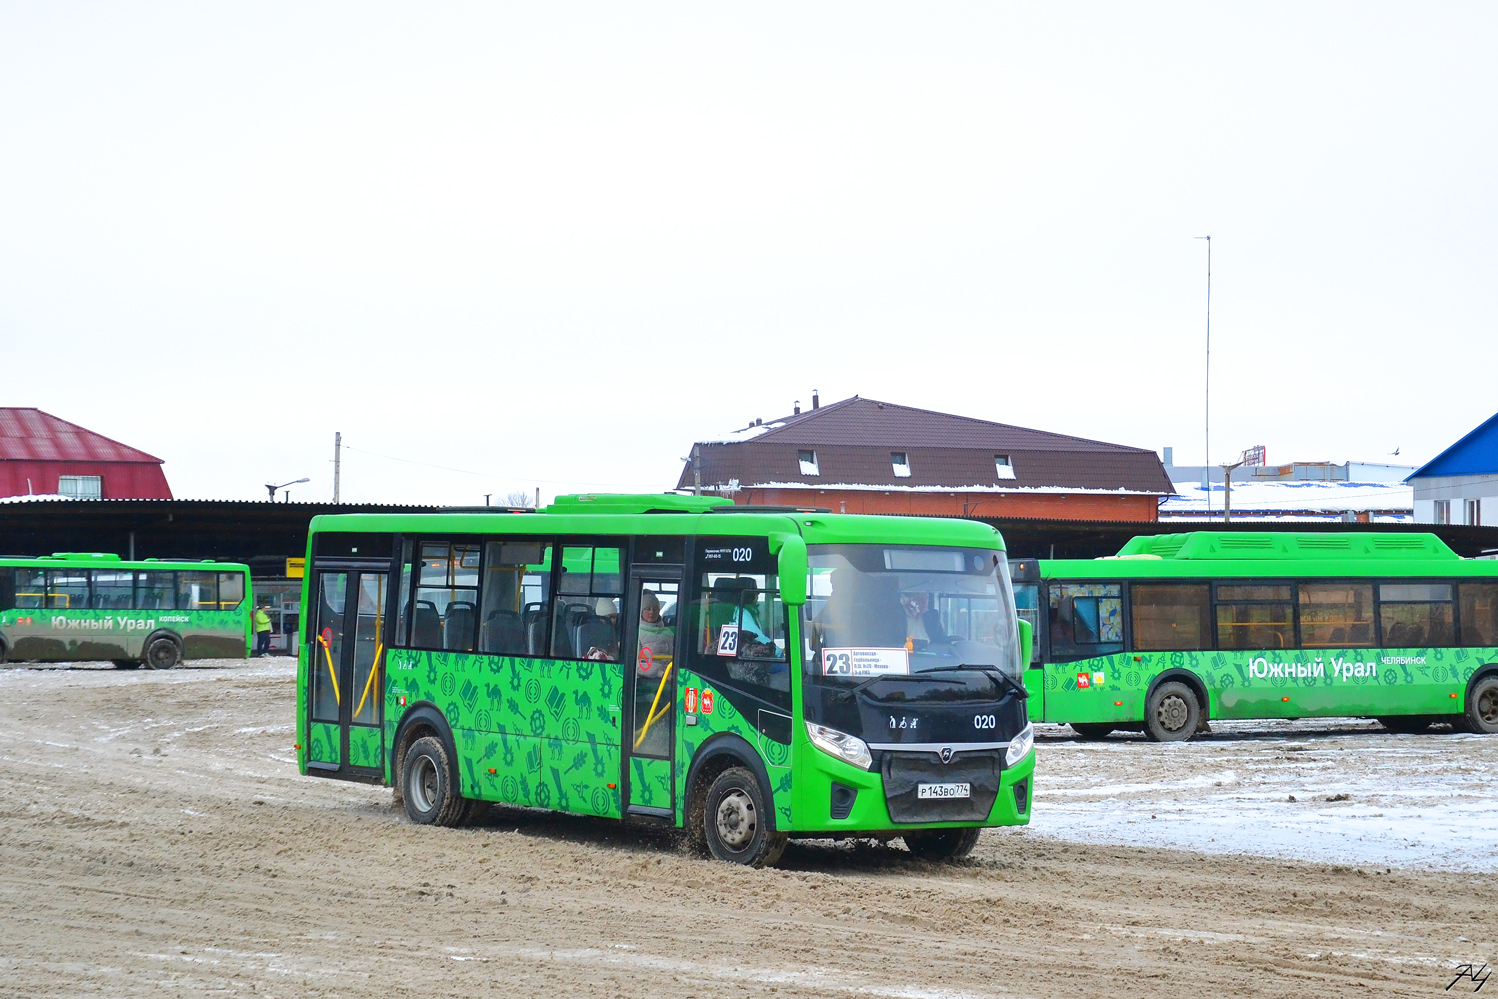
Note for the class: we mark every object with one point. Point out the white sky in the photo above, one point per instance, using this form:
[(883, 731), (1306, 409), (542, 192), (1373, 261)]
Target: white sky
[(557, 243)]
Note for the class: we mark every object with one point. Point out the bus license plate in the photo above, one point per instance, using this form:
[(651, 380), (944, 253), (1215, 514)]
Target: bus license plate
[(943, 790)]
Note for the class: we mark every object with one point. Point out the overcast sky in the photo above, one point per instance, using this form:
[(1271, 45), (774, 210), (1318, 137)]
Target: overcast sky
[(555, 244)]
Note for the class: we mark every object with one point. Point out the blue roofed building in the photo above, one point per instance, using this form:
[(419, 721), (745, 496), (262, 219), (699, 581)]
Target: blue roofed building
[(1460, 485)]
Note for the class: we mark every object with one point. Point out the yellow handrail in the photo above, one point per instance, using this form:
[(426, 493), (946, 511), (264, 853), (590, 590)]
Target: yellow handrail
[(327, 651), (373, 669), (651, 716)]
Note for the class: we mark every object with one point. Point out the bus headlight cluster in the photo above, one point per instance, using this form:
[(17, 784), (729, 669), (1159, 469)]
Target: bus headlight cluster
[(848, 748), (1020, 745)]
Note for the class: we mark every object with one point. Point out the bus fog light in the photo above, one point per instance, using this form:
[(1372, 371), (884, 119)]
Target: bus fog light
[(1020, 745), (845, 747)]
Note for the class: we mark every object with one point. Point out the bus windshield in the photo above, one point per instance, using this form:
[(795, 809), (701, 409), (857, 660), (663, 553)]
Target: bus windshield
[(880, 609)]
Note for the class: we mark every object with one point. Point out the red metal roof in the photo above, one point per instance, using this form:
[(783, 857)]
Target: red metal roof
[(28, 434)]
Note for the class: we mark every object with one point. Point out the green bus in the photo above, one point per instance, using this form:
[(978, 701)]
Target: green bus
[(746, 674), (1178, 629), (81, 606)]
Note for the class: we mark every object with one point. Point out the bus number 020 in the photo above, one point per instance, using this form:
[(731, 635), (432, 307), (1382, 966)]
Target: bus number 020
[(985, 721), (741, 554)]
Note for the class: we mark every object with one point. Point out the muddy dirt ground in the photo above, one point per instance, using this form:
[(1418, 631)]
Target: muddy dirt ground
[(155, 839)]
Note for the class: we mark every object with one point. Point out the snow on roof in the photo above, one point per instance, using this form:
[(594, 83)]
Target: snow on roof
[(1293, 496)]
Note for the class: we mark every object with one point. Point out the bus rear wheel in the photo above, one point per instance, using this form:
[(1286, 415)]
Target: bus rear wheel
[(1482, 706), (429, 785), (1172, 712), (163, 653), (737, 822), (1092, 731), (939, 845)]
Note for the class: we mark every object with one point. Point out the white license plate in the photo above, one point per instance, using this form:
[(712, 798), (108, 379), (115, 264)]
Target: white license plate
[(943, 790)]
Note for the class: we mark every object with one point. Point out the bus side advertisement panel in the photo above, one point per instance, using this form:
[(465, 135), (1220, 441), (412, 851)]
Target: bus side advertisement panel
[(535, 732), (717, 714), (48, 634), (1296, 683)]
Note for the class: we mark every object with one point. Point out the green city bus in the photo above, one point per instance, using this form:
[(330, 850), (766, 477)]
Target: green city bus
[(1178, 629), (746, 674), (82, 606)]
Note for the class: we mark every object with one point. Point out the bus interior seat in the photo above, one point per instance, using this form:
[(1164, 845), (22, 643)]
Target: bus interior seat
[(594, 632), (426, 626), (504, 632), (1339, 635), (457, 625)]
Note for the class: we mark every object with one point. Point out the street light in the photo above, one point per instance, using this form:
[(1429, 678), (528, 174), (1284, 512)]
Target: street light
[(272, 489)]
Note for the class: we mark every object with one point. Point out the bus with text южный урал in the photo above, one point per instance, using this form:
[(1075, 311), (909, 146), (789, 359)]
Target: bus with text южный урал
[(1178, 629), (746, 674), (82, 606)]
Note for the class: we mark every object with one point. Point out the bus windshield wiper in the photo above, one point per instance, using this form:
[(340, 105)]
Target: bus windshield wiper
[(1009, 681)]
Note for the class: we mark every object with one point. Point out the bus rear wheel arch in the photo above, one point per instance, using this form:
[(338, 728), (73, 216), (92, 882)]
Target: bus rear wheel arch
[(1481, 714), (162, 650), (1173, 710)]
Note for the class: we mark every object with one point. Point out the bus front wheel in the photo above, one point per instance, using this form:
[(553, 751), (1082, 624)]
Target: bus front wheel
[(1171, 714), (429, 785), (1482, 706), (163, 653), (737, 823), (942, 844)]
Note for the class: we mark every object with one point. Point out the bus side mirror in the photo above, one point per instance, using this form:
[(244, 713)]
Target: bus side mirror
[(792, 568), (1026, 643)]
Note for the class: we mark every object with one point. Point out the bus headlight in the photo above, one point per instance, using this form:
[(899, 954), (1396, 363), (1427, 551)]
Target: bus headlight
[(848, 748), (1020, 745)]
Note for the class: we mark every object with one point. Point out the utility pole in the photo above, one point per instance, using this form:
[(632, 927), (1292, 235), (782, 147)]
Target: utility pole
[(337, 456), (1227, 489), (697, 469), (1207, 402)]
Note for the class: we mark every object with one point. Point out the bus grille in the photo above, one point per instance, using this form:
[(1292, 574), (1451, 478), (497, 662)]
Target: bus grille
[(903, 772)]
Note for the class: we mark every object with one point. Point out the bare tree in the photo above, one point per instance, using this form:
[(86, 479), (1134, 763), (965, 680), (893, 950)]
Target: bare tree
[(520, 498)]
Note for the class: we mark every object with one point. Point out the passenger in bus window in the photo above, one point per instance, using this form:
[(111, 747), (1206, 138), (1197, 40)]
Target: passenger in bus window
[(655, 635)]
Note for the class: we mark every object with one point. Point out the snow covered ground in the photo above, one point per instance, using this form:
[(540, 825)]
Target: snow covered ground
[(1360, 795)]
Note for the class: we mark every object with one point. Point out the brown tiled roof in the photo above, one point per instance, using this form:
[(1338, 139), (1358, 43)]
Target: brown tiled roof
[(853, 440)]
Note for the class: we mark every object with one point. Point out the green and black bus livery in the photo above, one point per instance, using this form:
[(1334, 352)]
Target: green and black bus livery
[(82, 606), (1182, 628), (746, 675)]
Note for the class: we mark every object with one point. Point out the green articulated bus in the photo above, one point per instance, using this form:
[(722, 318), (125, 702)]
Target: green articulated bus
[(1182, 628), (81, 606), (745, 673)]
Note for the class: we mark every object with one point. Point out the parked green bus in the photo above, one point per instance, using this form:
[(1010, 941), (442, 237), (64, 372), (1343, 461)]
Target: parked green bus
[(1178, 629), (746, 674), (80, 606)]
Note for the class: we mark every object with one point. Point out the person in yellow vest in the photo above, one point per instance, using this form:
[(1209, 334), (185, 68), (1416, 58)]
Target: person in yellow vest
[(262, 630)]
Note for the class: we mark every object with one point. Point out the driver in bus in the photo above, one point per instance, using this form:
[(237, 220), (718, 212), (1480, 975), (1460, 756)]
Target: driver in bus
[(922, 623)]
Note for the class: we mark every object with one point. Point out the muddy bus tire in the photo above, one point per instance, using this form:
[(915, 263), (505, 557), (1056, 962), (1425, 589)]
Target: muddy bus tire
[(162, 652), (736, 821), (1482, 706), (942, 845), (429, 785), (1092, 731), (1172, 712)]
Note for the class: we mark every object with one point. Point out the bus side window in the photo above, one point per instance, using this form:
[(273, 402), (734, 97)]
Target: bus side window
[(8, 589), (1027, 605), (112, 588), (1416, 615), (736, 629), (1173, 617), (67, 589), (446, 608), (1086, 619), (197, 591), (517, 578), (1479, 613), (585, 620), (155, 591), (230, 590), (31, 588), (1336, 615), (403, 597)]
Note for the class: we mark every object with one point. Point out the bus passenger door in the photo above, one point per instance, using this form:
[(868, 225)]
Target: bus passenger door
[(649, 654), (346, 667)]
